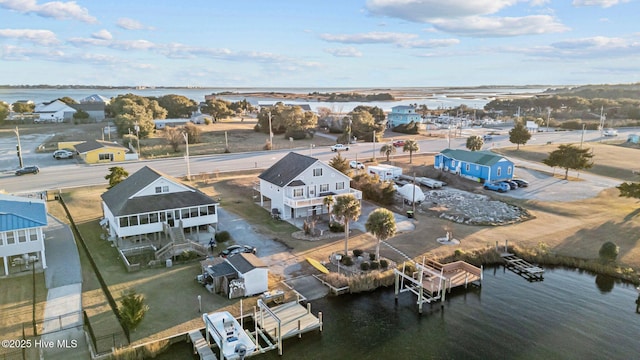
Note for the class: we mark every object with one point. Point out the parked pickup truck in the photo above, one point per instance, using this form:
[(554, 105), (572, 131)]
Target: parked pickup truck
[(339, 147)]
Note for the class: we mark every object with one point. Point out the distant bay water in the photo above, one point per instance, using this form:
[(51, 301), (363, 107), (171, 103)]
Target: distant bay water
[(434, 98)]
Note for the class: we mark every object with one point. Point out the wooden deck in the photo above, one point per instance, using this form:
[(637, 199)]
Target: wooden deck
[(295, 319), (523, 268), (201, 346)]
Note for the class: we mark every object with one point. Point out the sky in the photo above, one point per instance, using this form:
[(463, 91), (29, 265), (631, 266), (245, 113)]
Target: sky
[(319, 43)]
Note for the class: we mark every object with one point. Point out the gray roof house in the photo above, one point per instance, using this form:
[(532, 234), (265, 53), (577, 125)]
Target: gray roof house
[(297, 185), (148, 201)]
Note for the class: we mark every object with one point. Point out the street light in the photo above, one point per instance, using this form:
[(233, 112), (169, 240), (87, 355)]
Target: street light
[(137, 128), (186, 141)]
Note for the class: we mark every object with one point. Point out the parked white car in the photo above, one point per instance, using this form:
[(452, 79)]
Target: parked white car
[(610, 132), (339, 147), (356, 164), (62, 154)]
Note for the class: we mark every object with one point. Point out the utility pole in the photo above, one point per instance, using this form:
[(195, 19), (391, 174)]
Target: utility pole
[(137, 128), (374, 145), (548, 116), (186, 140), (582, 136), (18, 147), (270, 132)]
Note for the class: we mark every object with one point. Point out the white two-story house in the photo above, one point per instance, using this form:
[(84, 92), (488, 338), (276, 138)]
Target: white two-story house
[(22, 221), (297, 185), (147, 200)]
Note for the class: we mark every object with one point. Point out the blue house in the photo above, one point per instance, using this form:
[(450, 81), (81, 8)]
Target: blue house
[(22, 221), (403, 114), (475, 165)]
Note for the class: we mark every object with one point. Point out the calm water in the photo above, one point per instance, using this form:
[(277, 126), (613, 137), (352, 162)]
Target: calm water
[(569, 315), (439, 97)]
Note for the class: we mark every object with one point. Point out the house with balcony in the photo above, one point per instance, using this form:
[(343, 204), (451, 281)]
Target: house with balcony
[(297, 185), (475, 165), (55, 111), (402, 115), (148, 205), (22, 221)]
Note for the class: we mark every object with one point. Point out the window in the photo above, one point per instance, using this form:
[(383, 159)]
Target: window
[(203, 211), (162, 189), (33, 235), (144, 219), (105, 157), (324, 187), (298, 192), (22, 236), (165, 188), (133, 220), (193, 212), (499, 171), (211, 209), (124, 222), (11, 238), (153, 218), (317, 172), (185, 213), (509, 170), (163, 216), (467, 167), (340, 186), (158, 189)]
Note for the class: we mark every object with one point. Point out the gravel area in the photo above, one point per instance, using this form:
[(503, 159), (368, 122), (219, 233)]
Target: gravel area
[(473, 209)]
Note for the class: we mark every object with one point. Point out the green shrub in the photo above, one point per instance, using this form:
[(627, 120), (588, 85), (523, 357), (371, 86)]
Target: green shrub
[(372, 256), (336, 227), (384, 264), (346, 260), (357, 252), (207, 121), (375, 265), (222, 236), (609, 251), (364, 266), (410, 128)]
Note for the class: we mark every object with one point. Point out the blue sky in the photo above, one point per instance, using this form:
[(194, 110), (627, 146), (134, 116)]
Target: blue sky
[(328, 43)]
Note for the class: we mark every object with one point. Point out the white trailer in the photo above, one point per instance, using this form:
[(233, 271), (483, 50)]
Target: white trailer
[(385, 172)]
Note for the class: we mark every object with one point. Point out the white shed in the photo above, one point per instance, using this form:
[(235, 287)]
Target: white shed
[(253, 271)]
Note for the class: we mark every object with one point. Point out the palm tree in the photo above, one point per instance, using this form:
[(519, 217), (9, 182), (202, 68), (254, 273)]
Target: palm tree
[(328, 201), (347, 208), (387, 149), (474, 143), (410, 146), (382, 225)]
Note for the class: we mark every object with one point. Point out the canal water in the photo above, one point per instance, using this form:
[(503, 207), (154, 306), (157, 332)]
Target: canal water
[(569, 315)]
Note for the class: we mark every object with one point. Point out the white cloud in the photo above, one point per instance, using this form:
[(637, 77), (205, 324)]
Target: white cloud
[(102, 35), (60, 10), (369, 38), (344, 52), (477, 26), (601, 3), (430, 44), (424, 10), (131, 24), (16, 53), (42, 37)]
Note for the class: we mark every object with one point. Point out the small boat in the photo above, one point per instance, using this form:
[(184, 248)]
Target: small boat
[(229, 336)]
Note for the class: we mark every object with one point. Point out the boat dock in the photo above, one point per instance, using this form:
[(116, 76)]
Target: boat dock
[(432, 280), (271, 326), (520, 266)]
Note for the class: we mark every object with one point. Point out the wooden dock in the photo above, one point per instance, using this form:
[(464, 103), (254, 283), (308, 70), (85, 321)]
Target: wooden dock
[(523, 268), (201, 346), (432, 280), (289, 320)]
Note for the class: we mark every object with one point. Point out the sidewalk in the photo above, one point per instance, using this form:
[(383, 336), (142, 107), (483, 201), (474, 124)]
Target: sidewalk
[(63, 279)]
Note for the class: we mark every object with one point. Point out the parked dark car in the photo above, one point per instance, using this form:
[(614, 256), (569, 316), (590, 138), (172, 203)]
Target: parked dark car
[(237, 249), (27, 170), (521, 183), (512, 184)]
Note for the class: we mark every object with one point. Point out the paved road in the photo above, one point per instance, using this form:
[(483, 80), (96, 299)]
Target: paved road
[(68, 173)]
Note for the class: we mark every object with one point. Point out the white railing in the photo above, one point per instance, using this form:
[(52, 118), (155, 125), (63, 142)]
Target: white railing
[(304, 202)]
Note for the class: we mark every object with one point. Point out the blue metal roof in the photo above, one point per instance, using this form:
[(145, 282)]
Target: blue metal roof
[(21, 213)]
